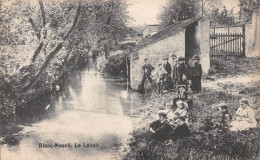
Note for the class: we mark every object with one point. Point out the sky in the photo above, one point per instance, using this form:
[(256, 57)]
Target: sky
[(146, 11)]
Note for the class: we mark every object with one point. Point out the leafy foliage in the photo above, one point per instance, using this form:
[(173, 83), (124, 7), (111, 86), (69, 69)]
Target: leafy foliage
[(178, 10), (223, 17), (101, 25), (247, 8)]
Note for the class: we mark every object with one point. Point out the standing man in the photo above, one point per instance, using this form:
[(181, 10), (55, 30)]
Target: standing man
[(196, 72), (147, 70), (167, 67), (173, 66), (181, 72)]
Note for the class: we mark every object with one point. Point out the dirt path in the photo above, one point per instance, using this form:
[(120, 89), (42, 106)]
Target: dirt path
[(232, 84)]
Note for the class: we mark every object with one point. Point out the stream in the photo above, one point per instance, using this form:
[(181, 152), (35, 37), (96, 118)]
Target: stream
[(91, 119)]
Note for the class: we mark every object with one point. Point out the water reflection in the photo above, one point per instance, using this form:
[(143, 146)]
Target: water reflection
[(91, 109)]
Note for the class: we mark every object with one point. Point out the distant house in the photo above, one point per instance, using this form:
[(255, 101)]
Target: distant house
[(150, 30), (184, 38)]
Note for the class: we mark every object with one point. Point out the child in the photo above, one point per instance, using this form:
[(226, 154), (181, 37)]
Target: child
[(181, 111), (160, 75), (244, 117), (160, 129), (223, 118)]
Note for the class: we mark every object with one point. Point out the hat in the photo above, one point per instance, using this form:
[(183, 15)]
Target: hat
[(182, 86), (162, 113), (245, 101), (195, 57), (181, 59), (165, 58), (173, 55), (145, 59), (222, 105)]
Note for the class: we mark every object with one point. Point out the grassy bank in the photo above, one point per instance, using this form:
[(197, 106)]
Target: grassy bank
[(201, 144)]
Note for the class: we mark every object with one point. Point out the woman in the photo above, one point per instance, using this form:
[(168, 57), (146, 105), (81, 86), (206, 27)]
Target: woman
[(244, 117), (196, 72)]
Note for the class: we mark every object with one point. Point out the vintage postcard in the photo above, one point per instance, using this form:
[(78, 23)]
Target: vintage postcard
[(129, 79)]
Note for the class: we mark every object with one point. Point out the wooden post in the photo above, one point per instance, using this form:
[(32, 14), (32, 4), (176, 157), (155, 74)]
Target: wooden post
[(127, 75), (244, 41)]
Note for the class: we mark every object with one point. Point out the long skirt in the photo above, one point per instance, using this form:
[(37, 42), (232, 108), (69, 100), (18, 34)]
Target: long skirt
[(196, 83), (242, 125)]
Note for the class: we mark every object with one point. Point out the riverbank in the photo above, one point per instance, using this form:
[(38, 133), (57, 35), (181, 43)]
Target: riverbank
[(201, 144), (18, 107)]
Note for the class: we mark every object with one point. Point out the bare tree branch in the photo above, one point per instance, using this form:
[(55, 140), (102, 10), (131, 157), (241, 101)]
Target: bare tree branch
[(43, 13), (35, 29), (76, 19), (37, 51), (54, 51)]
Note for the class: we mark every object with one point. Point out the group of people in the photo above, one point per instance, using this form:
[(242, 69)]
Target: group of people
[(173, 122), (169, 76)]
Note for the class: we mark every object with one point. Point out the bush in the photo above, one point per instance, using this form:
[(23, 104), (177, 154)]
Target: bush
[(116, 64)]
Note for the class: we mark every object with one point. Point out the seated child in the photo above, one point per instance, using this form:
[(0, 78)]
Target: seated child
[(181, 130), (182, 95), (244, 117), (160, 129), (223, 118), (181, 111)]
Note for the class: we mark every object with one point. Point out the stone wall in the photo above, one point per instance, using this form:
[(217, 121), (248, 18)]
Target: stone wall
[(203, 34), (155, 52), (253, 37)]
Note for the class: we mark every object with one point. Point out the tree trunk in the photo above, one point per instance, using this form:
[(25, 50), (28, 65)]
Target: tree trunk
[(55, 51), (39, 48)]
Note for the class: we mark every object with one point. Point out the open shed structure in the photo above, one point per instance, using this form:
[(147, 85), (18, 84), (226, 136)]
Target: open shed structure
[(184, 38)]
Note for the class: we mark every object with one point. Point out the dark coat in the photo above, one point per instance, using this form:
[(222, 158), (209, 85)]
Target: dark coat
[(168, 68), (149, 69), (196, 70), (162, 130), (181, 131), (180, 70)]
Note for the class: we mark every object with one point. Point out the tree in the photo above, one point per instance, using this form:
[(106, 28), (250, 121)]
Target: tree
[(100, 24), (178, 10), (208, 6), (247, 8), (224, 17), (56, 49)]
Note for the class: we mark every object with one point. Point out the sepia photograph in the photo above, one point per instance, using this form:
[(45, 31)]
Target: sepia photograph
[(129, 79)]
